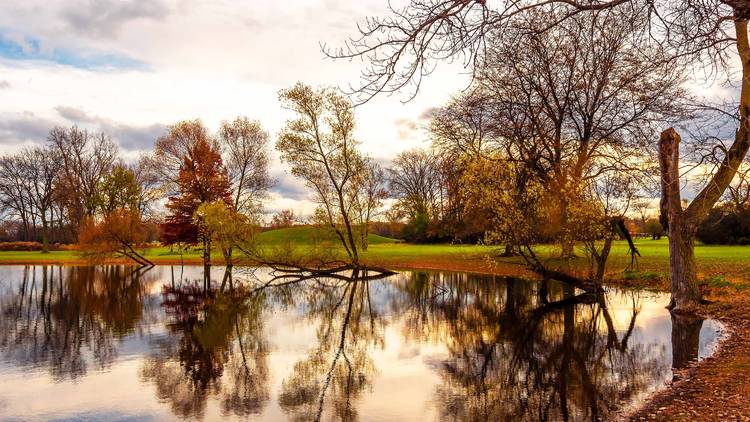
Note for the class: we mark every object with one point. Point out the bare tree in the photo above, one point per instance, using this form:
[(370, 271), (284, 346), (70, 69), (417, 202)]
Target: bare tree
[(40, 169), (14, 193), (320, 147), (246, 150), (414, 181), (85, 159)]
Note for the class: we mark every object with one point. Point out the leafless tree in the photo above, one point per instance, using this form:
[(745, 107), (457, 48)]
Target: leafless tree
[(246, 150), (85, 158), (414, 181), (40, 169), (14, 193)]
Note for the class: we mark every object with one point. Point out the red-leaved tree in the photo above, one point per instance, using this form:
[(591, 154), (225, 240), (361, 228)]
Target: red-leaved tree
[(202, 179)]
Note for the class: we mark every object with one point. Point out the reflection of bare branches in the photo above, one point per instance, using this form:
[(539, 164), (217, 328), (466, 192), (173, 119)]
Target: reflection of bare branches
[(70, 318), (220, 351), (518, 354), (339, 369)]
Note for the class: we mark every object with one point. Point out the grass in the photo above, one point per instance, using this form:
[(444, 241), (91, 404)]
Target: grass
[(715, 263), (308, 235)]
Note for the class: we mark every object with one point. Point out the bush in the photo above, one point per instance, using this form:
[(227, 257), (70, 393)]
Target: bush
[(654, 228), (20, 246), (725, 226)]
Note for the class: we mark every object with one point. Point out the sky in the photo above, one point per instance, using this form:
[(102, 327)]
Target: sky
[(131, 68)]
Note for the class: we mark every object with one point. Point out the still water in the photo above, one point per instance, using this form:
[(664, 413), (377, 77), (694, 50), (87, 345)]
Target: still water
[(116, 343)]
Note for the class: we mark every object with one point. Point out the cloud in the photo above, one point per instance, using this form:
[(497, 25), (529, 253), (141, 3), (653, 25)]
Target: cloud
[(27, 48), (129, 137), (24, 128), (288, 186), (105, 18), (4, 84), (406, 129)]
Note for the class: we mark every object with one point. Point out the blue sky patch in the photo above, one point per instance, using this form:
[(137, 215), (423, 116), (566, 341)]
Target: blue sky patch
[(31, 49)]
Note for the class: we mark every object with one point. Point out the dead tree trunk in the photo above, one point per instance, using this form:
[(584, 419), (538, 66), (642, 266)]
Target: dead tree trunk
[(682, 228)]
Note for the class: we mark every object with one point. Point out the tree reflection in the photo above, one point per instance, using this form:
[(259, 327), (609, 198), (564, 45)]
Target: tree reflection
[(217, 349), (69, 318), (338, 369), (686, 331), (518, 354)]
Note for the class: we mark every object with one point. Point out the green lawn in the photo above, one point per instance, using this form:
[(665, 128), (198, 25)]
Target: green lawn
[(308, 235)]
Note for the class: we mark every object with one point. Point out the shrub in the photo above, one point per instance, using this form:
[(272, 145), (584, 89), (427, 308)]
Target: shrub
[(20, 246), (725, 226)]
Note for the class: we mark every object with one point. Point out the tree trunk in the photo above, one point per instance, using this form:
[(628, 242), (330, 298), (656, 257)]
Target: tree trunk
[(228, 257), (207, 252), (601, 260), (45, 235), (682, 224), (686, 295), (684, 284)]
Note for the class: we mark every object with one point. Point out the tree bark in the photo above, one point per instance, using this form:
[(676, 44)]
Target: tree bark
[(45, 235), (684, 283)]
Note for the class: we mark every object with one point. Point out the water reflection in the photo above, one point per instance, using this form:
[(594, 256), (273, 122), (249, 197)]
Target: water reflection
[(338, 369), (518, 352), (57, 315), (415, 346), (214, 336)]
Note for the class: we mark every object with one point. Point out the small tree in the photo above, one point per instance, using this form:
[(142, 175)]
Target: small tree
[(118, 233), (283, 219), (227, 228)]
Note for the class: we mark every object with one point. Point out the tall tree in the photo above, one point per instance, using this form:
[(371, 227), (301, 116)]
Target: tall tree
[(85, 159), (40, 170), (202, 179), (246, 152), (574, 103), (319, 146)]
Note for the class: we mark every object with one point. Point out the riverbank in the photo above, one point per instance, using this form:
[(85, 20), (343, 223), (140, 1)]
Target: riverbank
[(716, 389)]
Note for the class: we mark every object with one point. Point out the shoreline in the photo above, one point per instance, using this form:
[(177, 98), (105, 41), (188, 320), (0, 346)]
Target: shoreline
[(715, 387)]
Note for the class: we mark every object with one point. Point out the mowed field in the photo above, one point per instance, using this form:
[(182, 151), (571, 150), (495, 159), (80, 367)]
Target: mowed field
[(718, 264)]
